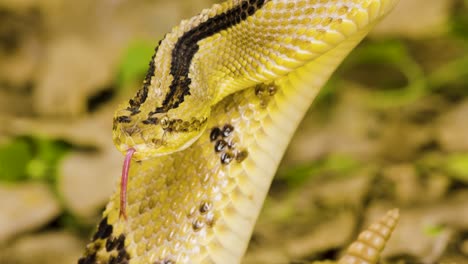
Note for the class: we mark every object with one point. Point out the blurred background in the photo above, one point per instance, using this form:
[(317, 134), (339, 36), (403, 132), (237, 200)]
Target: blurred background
[(390, 129)]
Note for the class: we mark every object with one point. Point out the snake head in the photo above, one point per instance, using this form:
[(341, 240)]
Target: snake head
[(155, 134)]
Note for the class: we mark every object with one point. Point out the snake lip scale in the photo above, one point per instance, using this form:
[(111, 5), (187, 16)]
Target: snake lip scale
[(223, 95)]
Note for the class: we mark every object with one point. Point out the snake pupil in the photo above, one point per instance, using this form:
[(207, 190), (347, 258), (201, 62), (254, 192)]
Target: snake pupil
[(123, 182)]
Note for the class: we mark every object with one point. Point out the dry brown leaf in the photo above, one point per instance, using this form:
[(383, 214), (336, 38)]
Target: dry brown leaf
[(406, 182), (24, 207), (13, 103), (46, 248), (411, 237), (92, 131), (331, 234), (452, 128), (337, 134), (86, 181), (72, 71), (416, 19)]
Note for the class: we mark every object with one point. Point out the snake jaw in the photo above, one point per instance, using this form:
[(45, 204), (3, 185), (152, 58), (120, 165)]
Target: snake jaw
[(123, 182)]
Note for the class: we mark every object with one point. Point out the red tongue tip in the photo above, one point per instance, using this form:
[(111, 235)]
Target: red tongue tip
[(123, 182)]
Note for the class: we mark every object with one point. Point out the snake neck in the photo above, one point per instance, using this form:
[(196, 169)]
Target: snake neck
[(199, 205)]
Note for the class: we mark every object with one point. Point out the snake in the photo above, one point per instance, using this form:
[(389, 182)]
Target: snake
[(206, 131)]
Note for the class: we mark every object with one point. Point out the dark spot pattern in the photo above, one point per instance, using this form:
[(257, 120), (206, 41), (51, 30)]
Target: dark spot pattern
[(226, 157), (104, 230), (211, 222), (262, 90), (241, 155), (197, 225), (225, 145), (182, 55), (265, 92), (89, 259), (179, 125), (187, 46), (122, 257), (151, 121), (215, 133), (227, 130), (120, 242), (205, 207), (123, 119), (113, 260), (111, 244), (104, 241), (220, 145), (201, 217)]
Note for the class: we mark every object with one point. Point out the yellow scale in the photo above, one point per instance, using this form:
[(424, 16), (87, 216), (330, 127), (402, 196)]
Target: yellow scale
[(195, 197)]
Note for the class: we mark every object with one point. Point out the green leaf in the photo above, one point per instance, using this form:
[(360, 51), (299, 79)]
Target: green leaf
[(337, 164), (31, 158), (14, 157), (457, 166), (48, 153), (459, 20), (134, 64), (37, 169), (341, 164), (392, 54), (433, 230)]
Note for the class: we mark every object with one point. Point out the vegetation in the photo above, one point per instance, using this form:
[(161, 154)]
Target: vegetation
[(390, 129)]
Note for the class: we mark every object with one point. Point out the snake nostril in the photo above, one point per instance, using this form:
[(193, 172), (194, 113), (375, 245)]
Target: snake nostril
[(130, 130)]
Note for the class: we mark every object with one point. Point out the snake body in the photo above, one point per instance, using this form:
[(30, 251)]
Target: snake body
[(370, 243), (224, 93)]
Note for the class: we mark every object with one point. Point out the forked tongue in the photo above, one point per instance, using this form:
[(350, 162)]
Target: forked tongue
[(123, 183)]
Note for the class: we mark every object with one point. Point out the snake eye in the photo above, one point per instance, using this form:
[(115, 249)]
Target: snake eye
[(164, 122)]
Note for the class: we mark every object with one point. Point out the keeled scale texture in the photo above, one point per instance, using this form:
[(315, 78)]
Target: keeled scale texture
[(199, 205)]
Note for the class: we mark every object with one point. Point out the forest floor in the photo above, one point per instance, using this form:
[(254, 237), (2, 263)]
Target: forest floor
[(390, 129)]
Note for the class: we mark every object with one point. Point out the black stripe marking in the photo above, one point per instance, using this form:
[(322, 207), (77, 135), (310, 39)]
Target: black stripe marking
[(151, 121), (105, 241), (123, 119), (187, 45), (142, 94)]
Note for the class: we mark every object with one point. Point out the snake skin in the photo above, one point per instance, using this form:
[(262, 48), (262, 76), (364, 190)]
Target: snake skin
[(199, 205)]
